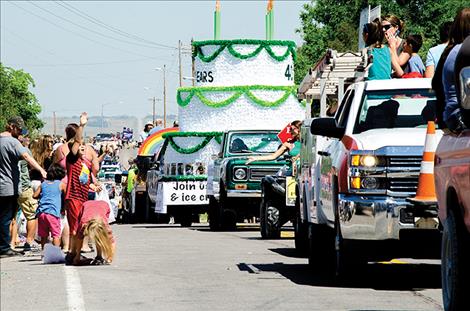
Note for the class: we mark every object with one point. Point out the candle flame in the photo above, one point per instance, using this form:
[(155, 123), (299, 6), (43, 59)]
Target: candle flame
[(217, 5), (270, 5)]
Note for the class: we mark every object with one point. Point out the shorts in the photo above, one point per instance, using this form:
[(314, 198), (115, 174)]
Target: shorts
[(73, 209), (27, 204), (48, 223)]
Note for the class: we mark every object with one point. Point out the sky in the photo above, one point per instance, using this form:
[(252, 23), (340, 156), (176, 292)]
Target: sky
[(99, 56)]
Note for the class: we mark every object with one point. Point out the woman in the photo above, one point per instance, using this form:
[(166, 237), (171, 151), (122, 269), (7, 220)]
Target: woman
[(292, 146), (59, 157), (42, 152), (393, 27)]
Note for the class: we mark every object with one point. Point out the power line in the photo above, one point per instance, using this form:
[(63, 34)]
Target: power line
[(79, 34), (118, 31), (91, 30)]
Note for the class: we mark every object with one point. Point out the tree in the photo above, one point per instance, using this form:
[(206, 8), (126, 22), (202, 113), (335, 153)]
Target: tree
[(17, 99), (334, 24)]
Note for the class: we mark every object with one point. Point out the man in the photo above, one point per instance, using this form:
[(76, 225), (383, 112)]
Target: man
[(145, 133), (11, 151)]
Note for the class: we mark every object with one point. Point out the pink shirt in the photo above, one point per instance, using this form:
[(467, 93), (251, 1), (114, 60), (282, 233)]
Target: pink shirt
[(94, 209)]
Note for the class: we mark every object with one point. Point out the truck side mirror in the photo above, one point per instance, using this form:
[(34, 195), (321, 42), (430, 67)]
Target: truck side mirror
[(326, 127)]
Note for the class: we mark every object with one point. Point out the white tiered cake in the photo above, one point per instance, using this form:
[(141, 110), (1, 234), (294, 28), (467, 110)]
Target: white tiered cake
[(240, 84)]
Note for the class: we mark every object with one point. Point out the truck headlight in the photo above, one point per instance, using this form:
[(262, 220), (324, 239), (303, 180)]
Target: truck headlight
[(240, 174), (364, 160), (369, 183)]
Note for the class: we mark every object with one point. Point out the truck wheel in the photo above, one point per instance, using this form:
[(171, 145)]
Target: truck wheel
[(300, 230), (148, 211), (228, 217), (186, 220), (214, 215), (321, 250), (269, 220), (455, 271)]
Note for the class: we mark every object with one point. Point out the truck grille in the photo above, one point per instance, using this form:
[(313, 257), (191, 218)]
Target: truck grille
[(257, 173), (404, 161), (408, 167), (403, 184)]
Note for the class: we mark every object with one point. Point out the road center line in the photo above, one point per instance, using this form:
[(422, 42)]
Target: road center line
[(73, 289)]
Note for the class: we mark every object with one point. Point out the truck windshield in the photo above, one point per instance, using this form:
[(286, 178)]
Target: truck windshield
[(395, 109), (253, 143)]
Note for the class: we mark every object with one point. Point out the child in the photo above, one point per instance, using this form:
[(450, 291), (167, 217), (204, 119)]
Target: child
[(415, 65), (93, 223), (50, 204), (373, 36)]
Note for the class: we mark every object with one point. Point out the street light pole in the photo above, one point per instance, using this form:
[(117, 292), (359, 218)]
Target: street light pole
[(164, 96), (164, 92)]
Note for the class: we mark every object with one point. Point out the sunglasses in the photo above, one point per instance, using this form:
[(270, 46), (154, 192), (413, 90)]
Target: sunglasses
[(386, 27)]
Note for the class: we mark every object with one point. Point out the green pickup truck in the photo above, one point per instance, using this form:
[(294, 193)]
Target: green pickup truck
[(234, 188)]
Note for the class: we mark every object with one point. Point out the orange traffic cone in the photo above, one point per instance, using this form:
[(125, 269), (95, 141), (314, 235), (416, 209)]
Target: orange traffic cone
[(426, 193)]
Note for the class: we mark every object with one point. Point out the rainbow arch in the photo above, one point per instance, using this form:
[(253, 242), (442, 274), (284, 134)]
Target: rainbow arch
[(152, 143)]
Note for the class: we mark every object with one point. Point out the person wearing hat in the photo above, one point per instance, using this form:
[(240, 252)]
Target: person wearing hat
[(145, 133), (11, 151)]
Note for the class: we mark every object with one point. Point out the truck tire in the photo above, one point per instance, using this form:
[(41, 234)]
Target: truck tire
[(321, 250), (270, 224), (215, 223), (455, 270), (186, 220), (148, 212), (228, 217), (300, 230)]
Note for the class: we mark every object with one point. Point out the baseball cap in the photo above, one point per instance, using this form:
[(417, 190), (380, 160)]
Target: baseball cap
[(19, 123)]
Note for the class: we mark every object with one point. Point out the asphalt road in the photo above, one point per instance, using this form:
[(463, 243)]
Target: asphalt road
[(166, 267)]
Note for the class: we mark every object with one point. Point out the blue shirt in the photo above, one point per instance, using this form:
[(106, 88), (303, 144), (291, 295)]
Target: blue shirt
[(434, 54), (448, 81), (50, 201), (381, 68), (155, 129), (415, 64)]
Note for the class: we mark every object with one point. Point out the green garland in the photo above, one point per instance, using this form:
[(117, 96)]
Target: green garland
[(183, 178), (238, 91), (207, 138), (263, 44)]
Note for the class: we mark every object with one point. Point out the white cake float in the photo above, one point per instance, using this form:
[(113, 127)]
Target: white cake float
[(244, 62), (238, 107)]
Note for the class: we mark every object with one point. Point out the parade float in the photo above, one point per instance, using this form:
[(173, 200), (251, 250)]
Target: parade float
[(238, 84)]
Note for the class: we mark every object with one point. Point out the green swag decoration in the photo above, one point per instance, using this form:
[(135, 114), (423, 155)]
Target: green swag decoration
[(262, 44), (184, 178), (237, 91), (208, 136)]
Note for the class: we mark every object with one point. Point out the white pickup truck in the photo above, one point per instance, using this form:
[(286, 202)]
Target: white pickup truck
[(357, 171)]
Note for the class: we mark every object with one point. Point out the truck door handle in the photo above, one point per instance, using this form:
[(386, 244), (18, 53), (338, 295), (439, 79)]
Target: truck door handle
[(324, 153)]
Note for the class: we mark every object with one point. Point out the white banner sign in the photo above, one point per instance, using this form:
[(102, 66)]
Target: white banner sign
[(180, 193)]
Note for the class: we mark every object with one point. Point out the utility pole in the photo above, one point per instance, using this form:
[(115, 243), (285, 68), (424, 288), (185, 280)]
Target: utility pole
[(54, 122), (193, 67), (153, 110), (164, 96), (154, 101), (179, 59)]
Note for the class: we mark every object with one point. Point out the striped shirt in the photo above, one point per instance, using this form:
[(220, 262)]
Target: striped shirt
[(78, 176)]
